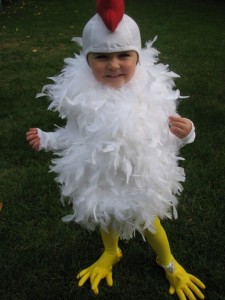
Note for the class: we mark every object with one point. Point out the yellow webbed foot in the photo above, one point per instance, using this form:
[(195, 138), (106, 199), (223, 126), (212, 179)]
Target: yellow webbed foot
[(101, 269), (185, 285)]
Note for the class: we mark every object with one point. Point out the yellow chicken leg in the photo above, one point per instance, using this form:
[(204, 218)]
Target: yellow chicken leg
[(185, 285)]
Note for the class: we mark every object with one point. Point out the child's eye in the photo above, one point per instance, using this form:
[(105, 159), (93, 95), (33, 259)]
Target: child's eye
[(101, 56), (124, 55)]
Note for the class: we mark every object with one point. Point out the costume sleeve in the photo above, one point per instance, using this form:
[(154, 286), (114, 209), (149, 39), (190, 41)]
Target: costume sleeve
[(60, 139)]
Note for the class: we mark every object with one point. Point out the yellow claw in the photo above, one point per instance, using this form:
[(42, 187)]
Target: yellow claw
[(101, 269), (185, 285)]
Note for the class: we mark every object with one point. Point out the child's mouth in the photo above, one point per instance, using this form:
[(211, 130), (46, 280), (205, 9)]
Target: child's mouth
[(114, 76)]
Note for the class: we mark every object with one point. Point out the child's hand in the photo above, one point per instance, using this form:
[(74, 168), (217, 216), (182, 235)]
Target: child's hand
[(179, 126), (33, 138)]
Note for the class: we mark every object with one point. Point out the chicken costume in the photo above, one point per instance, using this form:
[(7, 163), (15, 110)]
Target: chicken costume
[(117, 161)]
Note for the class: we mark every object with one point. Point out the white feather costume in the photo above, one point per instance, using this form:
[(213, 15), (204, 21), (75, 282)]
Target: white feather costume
[(117, 160)]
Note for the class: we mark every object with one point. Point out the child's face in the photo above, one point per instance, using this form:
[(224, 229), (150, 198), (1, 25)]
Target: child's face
[(113, 69)]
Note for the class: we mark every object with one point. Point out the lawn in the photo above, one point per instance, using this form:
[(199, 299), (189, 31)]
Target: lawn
[(39, 254)]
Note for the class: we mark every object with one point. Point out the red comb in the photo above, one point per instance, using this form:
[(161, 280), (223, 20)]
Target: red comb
[(111, 12)]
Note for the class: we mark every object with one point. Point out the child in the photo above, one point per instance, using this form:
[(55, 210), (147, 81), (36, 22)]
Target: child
[(118, 153)]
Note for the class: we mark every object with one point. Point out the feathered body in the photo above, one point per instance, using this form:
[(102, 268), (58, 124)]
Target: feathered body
[(121, 165)]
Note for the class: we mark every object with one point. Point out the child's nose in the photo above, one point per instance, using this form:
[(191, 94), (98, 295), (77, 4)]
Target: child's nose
[(113, 64)]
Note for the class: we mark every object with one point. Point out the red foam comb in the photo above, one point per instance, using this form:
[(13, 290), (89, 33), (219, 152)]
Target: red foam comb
[(111, 12)]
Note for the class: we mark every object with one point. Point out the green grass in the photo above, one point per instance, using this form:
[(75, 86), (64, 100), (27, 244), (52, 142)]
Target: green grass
[(40, 255)]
